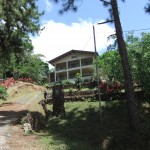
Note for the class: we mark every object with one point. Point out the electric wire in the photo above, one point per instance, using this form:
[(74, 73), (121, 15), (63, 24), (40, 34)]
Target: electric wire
[(134, 30)]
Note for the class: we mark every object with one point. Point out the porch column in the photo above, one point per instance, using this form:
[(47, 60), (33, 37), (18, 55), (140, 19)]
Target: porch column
[(67, 70), (80, 67), (55, 73)]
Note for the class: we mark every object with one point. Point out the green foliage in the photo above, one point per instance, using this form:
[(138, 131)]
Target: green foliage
[(3, 93), (78, 81), (147, 7), (67, 82), (18, 20), (32, 66), (139, 53), (110, 67), (67, 5)]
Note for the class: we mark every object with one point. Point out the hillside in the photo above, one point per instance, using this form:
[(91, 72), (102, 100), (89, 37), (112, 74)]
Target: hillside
[(22, 87)]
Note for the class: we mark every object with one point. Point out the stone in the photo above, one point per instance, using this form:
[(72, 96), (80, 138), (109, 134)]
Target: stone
[(27, 128)]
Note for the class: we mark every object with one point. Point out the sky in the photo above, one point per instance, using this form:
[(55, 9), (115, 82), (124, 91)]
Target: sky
[(63, 33)]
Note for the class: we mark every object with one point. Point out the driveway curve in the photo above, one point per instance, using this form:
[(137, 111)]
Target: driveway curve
[(10, 134)]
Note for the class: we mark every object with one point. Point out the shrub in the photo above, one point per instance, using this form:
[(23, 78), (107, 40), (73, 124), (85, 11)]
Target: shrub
[(3, 93), (78, 81)]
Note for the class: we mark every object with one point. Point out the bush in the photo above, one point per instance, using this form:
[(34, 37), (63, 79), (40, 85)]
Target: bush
[(3, 93), (78, 81)]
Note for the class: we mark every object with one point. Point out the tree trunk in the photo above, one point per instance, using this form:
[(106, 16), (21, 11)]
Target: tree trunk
[(132, 104)]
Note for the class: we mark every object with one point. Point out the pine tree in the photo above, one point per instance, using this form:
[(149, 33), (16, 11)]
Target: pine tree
[(18, 20), (132, 106), (147, 7)]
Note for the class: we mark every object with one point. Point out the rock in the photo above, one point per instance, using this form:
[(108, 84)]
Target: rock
[(27, 128)]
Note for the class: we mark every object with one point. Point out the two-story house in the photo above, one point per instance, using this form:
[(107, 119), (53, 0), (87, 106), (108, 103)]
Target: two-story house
[(72, 62)]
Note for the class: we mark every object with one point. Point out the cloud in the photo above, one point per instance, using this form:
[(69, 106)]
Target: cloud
[(58, 38), (48, 6)]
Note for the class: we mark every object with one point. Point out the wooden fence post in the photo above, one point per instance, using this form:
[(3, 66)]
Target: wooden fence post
[(58, 101)]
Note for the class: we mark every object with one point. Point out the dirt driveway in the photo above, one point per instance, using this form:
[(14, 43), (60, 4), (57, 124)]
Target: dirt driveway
[(12, 136)]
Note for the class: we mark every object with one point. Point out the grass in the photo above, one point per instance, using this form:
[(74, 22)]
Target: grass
[(80, 128)]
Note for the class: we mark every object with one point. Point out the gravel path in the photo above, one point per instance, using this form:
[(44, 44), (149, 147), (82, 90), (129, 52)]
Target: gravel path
[(9, 113)]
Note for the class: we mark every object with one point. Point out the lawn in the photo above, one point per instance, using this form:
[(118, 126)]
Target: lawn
[(81, 129)]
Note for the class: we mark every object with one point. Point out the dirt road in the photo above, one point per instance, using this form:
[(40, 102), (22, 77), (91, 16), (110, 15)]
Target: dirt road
[(12, 136)]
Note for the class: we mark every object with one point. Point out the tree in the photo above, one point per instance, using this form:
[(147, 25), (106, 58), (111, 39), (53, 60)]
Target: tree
[(18, 19), (114, 14), (132, 108), (33, 67), (147, 7), (138, 48), (139, 53), (110, 66)]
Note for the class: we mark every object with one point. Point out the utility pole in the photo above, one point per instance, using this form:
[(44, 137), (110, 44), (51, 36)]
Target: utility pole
[(97, 74), (97, 70)]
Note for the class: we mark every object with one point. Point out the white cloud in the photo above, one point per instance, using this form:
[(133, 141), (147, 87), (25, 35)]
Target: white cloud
[(58, 38), (48, 6)]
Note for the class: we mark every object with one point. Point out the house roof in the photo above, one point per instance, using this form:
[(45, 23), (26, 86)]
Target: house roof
[(70, 52)]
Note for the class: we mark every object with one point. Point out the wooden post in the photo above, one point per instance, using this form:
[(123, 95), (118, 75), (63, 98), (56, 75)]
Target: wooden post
[(58, 101)]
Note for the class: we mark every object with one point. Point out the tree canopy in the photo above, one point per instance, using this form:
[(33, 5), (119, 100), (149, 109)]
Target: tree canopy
[(138, 48), (147, 7), (18, 20)]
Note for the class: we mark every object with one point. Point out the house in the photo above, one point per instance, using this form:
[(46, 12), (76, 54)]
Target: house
[(72, 62)]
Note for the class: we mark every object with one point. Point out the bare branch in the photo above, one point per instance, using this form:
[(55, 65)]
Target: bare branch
[(105, 2), (106, 22)]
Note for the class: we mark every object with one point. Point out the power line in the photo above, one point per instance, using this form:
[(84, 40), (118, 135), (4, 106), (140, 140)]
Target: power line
[(134, 30), (137, 30), (87, 42)]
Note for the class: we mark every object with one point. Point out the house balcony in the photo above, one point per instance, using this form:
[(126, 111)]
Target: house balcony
[(61, 66), (70, 65), (86, 62), (73, 64)]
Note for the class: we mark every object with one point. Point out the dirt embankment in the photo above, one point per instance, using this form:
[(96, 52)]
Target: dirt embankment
[(12, 137), (20, 87)]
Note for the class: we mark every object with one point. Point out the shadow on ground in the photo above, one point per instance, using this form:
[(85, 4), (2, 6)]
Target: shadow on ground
[(81, 129), (8, 116)]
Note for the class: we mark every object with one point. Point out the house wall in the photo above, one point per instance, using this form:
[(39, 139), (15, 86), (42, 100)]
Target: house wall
[(67, 67), (74, 56)]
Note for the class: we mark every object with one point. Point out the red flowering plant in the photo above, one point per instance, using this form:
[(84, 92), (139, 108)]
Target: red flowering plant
[(103, 87), (112, 87), (26, 80), (8, 82)]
